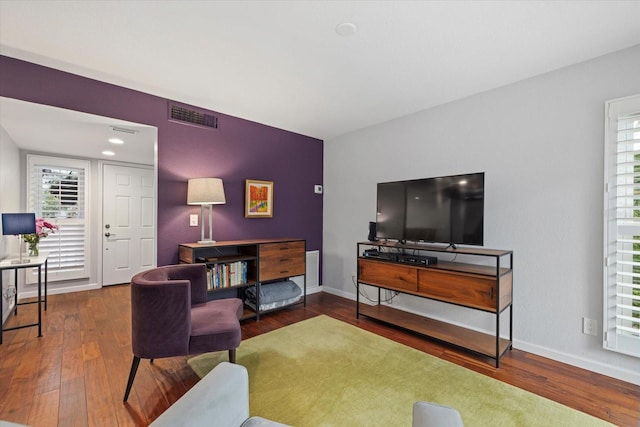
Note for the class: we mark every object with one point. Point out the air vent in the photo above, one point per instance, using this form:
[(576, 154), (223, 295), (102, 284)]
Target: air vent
[(189, 116), (124, 130)]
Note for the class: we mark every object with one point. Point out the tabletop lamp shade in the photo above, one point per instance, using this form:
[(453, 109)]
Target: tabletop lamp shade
[(205, 191), (18, 223)]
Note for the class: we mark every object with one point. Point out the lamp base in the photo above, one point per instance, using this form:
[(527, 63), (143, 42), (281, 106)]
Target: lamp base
[(206, 242)]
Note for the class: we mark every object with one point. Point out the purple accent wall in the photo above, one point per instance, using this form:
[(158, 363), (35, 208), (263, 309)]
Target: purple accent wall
[(238, 150)]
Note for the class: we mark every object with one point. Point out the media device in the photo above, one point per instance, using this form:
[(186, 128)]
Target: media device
[(447, 209), (400, 257), (416, 259), (372, 231), (374, 253)]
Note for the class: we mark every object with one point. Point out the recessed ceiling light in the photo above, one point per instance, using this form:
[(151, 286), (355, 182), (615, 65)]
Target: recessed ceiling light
[(116, 141), (346, 29), (108, 153)]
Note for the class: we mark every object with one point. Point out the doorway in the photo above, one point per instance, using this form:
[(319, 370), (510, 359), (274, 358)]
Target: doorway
[(128, 222)]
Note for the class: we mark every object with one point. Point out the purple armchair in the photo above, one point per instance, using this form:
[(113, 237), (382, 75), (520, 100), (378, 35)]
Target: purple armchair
[(170, 316)]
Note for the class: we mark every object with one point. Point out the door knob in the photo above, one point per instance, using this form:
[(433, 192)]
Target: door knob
[(107, 234)]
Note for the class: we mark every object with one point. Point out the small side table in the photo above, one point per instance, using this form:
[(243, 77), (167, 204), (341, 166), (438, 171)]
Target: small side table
[(34, 262)]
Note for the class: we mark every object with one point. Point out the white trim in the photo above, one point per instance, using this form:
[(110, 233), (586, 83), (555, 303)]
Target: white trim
[(610, 339), (99, 241), (622, 374), (32, 160), (313, 289), (54, 290)]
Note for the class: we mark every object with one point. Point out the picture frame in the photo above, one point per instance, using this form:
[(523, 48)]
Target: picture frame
[(258, 199)]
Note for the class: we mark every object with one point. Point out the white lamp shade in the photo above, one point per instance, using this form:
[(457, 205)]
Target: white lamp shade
[(205, 191)]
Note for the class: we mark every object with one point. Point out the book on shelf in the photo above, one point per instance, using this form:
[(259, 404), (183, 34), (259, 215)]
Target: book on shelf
[(220, 276)]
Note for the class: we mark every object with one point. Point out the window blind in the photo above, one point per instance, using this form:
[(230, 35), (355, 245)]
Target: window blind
[(622, 226), (58, 193)]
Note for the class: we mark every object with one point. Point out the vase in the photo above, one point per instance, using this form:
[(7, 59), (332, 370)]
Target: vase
[(33, 249)]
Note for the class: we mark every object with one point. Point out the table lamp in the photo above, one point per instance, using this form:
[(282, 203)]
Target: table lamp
[(205, 191), (17, 224)]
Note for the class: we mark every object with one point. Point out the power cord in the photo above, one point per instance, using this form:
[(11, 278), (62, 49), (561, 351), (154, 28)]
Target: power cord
[(390, 294), (10, 292)]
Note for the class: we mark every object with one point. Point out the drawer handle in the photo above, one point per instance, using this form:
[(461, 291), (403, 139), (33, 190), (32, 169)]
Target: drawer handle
[(490, 293), (284, 248), (285, 259), (284, 271)]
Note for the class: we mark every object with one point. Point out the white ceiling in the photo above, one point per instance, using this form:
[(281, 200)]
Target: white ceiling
[(42, 128), (282, 63)]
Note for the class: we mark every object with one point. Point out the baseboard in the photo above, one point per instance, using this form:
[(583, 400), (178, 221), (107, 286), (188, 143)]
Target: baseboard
[(339, 293), (6, 314), (590, 365), (626, 375), (59, 290), (313, 289), (91, 286)]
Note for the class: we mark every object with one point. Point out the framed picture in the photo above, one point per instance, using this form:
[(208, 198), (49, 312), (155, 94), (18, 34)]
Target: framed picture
[(258, 199)]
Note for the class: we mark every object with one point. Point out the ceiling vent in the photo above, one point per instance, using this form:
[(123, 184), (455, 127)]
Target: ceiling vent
[(190, 116), (124, 130)]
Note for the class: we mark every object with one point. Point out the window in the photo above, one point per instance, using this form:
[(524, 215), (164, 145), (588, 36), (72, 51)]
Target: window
[(57, 192), (622, 226)]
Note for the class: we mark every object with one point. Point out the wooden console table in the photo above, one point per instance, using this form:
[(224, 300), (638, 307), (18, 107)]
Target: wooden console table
[(402, 268), (34, 262), (263, 260)]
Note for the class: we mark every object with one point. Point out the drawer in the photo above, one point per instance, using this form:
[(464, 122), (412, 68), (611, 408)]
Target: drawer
[(458, 288), (388, 275), (280, 260)]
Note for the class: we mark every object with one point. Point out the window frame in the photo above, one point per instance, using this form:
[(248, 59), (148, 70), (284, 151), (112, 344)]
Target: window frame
[(612, 340), (38, 161)]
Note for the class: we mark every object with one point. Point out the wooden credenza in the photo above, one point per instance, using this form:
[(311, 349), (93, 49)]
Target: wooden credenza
[(256, 261), (488, 288)]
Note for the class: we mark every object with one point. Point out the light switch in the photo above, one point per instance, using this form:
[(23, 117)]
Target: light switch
[(193, 220), (317, 189)]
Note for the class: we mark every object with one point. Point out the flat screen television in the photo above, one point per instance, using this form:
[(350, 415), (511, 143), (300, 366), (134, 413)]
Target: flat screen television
[(446, 209)]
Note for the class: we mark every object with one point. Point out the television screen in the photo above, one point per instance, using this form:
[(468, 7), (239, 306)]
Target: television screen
[(447, 209)]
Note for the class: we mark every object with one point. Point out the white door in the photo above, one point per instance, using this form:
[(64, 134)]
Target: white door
[(128, 228)]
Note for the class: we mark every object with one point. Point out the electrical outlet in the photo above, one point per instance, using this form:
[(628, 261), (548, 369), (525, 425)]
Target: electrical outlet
[(589, 326), (193, 220)]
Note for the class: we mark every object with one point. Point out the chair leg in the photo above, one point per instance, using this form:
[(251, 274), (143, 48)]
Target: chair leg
[(232, 356), (132, 375)]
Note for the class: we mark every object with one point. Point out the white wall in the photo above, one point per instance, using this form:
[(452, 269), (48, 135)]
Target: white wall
[(9, 202), (540, 143)]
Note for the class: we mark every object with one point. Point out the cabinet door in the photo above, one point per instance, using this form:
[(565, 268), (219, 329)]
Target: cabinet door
[(463, 289), (388, 275), (281, 260)]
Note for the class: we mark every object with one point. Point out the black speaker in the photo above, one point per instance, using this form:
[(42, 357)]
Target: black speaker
[(372, 232)]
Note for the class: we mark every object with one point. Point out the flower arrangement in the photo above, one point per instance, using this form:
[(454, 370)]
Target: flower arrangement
[(43, 228)]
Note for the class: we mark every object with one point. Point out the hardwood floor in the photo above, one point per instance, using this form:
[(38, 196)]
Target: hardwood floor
[(75, 375)]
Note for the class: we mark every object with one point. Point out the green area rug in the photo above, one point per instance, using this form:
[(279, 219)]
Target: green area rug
[(324, 372)]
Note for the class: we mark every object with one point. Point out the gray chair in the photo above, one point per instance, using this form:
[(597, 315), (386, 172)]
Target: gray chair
[(170, 316), (427, 414), (220, 398)]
